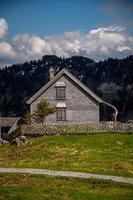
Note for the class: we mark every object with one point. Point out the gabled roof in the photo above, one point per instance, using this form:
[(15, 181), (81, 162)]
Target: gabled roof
[(73, 78)]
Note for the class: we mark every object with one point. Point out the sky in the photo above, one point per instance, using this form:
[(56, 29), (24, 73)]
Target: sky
[(97, 29)]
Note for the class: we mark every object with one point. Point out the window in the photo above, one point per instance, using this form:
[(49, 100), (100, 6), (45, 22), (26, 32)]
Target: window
[(61, 114), (60, 92)]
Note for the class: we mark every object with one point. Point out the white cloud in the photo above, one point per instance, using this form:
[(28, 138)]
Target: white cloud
[(30, 47), (108, 29), (97, 44), (123, 48), (3, 28), (6, 50)]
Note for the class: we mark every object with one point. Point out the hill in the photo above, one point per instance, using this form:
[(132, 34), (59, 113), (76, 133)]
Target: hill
[(111, 79)]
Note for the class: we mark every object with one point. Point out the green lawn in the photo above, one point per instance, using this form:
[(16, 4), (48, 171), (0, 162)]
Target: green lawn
[(39, 187), (110, 154)]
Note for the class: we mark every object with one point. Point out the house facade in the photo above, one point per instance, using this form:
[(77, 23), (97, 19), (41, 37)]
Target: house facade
[(74, 102)]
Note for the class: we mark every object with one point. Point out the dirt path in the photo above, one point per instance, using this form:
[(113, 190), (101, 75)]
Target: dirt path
[(66, 174)]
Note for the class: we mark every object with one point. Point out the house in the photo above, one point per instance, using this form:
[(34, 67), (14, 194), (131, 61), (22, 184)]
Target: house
[(72, 99)]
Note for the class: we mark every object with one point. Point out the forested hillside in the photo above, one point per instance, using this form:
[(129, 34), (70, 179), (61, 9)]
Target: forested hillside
[(111, 79)]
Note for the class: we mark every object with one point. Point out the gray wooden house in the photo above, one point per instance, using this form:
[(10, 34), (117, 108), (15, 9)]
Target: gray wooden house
[(74, 101)]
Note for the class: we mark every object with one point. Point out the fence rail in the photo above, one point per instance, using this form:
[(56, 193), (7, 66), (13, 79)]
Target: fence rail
[(35, 129)]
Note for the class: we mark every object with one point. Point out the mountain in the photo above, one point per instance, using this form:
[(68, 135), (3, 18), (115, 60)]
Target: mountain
[(111, 79)]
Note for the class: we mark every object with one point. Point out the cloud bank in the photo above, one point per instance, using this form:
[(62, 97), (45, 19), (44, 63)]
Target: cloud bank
[(97, 44)]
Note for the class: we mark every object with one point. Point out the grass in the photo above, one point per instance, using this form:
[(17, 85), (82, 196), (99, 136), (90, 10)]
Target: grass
[(110, 154), (39, 187)]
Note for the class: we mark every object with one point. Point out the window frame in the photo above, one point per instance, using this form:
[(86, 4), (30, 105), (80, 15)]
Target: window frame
[(63, 116), (58, 97)]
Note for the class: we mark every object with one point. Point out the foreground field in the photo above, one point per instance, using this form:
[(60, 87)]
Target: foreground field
[(25, 187), (103, 154)]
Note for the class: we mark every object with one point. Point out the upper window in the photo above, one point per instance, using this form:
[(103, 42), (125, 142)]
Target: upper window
[(60, 90), (60, 93)]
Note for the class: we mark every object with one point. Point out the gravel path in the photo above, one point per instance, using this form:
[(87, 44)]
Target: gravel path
[(66, 174)]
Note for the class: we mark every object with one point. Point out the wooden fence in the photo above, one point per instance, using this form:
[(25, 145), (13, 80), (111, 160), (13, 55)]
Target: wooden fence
[(35, 129)]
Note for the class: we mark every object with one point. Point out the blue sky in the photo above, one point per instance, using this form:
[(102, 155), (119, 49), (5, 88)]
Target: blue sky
[(56, 17), (46, 17)]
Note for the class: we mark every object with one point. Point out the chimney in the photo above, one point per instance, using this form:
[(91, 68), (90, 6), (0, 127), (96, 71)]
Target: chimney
[(51, 73)]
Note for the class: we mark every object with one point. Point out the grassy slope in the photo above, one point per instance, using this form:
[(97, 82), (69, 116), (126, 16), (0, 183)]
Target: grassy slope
[(38, 187), (103, 154)]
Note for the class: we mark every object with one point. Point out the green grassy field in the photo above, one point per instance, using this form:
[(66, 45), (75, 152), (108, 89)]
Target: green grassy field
[(38, 187), (110, 154)]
